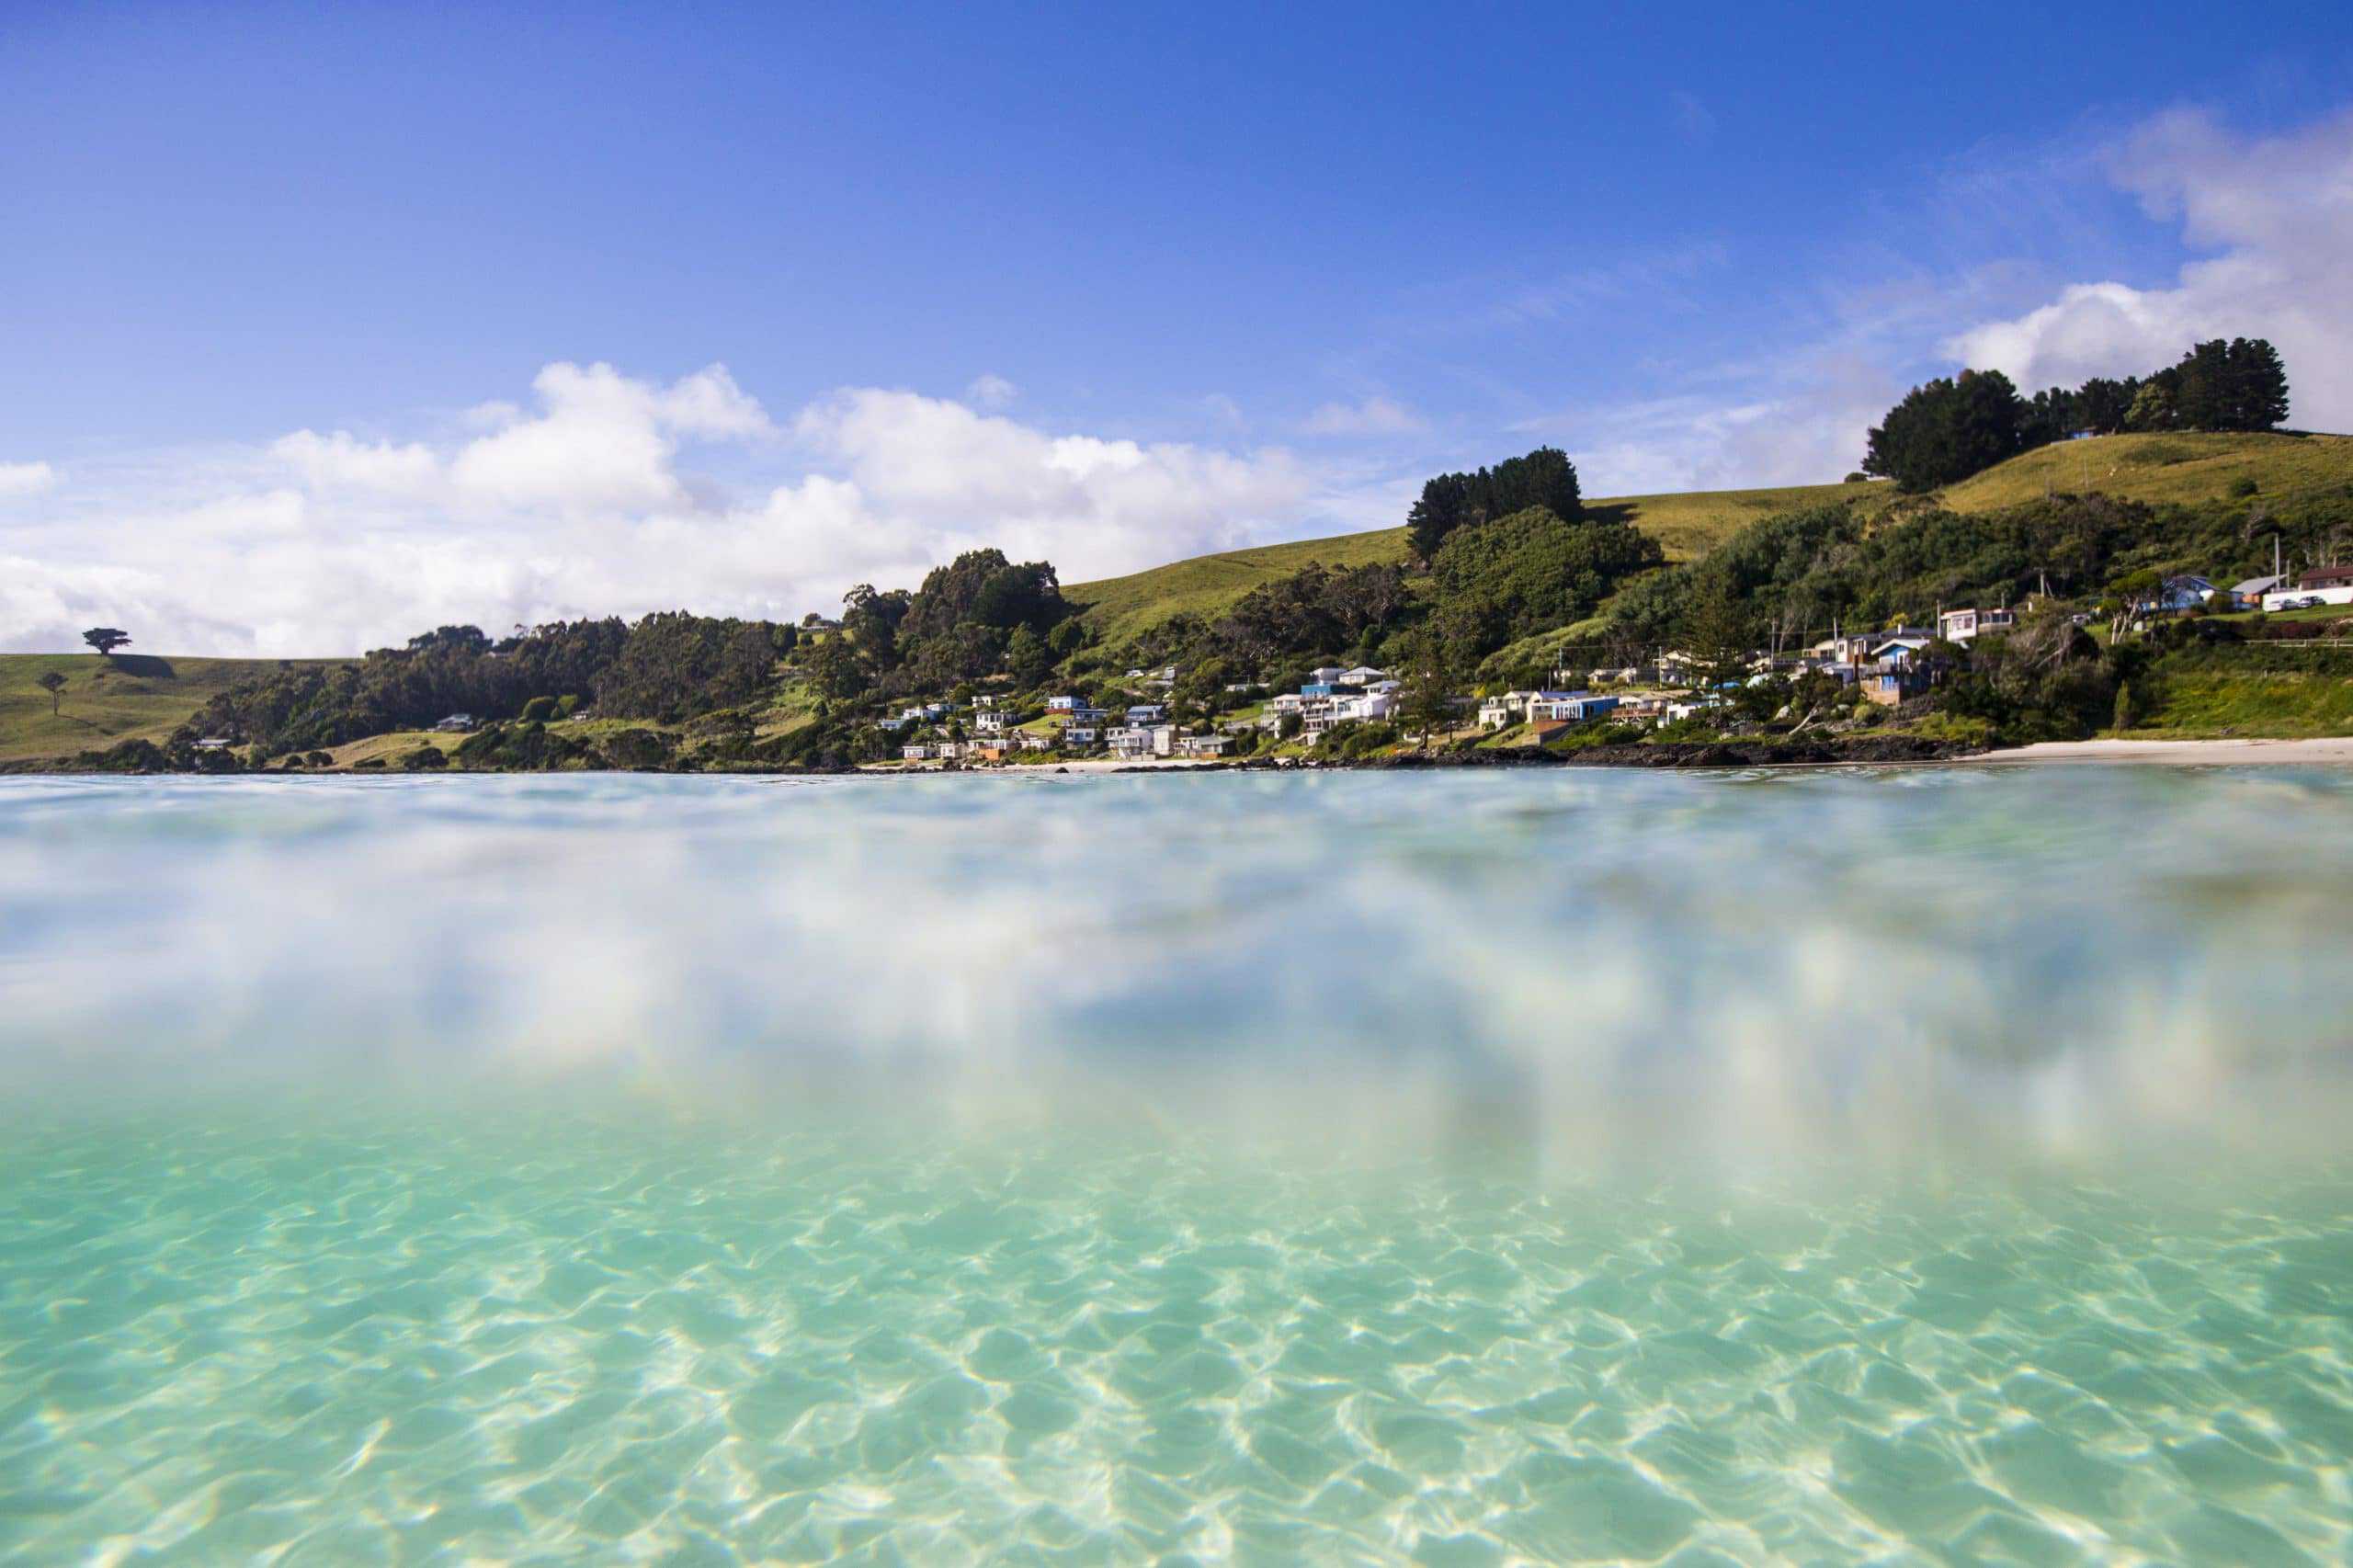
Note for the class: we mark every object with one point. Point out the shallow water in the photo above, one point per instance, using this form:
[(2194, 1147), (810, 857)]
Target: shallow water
[(1938, 1166)]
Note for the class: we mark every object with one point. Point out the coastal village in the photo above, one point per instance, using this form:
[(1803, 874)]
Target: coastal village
[(1886, 666)]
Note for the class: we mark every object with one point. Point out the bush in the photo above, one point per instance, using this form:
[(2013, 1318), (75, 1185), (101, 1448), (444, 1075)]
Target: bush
[(2244, 486), (424, 759), (539, 709), (2128, 714)]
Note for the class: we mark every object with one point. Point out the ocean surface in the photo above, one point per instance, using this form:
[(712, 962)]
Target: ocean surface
[(1935, 1165)]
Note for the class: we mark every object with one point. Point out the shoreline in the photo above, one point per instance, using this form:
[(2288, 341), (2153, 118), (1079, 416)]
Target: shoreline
[(2327, 749), (2311, 751)]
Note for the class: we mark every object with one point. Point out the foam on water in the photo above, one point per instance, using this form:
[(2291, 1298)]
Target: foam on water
[(1936, 1166)]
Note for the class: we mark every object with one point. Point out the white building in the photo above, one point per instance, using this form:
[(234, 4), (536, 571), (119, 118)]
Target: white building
[(1963, 624)]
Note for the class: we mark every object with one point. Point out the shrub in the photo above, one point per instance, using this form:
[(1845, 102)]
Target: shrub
[(539, 709), (2244, 486), (2128, 714), (424, 759)]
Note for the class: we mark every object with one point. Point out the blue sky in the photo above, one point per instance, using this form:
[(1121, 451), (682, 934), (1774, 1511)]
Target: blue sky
[(1296, 256)]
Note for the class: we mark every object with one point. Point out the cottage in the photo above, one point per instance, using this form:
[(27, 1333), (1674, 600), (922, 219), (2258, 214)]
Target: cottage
[(1963, 624), (992, 721), (214, 743), (1063, 704), (455, 725), (1363, 674), (2249, 593), (1900, 668), (1205, 746), (1574, 708), (914, 754), (1082, 734), (1147, 713), (2176, 594)]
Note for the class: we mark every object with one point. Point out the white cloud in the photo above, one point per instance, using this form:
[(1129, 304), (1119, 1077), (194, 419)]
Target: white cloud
[(990, 391), (323, 544), (342, 461), (2277, 215), (1375, 415), (26, 479)]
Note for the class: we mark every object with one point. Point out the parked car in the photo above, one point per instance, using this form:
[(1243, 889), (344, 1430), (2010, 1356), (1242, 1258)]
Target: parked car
[(2309, 601)]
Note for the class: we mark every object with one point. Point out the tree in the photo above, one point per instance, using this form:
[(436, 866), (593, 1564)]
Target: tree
[(1431, 677), (835, 670), (2154, 406), (51, 683), (1945, 430), (1028, 657), (1722, 632), (106, 638)]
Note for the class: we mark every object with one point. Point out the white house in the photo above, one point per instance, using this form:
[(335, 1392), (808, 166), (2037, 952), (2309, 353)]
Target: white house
[(1963, 624), (992, 721), (1063, 704), (455, 725), (914, 754), (1363, 674), (1575, 707), (1205, 746)]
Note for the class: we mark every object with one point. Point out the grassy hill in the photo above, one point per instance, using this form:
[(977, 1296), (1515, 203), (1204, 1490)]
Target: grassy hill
[(1685, 526), (133, 696), (2184, 468), (2158, 468)]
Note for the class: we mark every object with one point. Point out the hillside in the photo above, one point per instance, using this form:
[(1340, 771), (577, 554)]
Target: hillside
[(1685, 525), (2157, 469), (134, 696), (2161, 468)]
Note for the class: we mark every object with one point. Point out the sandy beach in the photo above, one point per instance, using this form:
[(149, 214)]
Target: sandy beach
[(2332, 749)]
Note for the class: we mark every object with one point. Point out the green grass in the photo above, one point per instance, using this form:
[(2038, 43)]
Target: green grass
[(2210, 704), (135, 696), (1120, 607), (2157, 469)]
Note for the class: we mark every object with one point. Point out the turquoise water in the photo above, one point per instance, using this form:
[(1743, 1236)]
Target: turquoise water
[(1933, 1166)]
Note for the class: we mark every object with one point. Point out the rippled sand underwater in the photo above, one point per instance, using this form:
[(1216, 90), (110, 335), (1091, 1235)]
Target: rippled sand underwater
[(1935, 1167), (224, 1342)]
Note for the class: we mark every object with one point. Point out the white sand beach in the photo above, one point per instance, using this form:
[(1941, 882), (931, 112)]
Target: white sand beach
[(2331, 749)]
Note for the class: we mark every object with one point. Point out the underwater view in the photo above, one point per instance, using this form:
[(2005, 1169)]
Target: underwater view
[(1527, 1166)]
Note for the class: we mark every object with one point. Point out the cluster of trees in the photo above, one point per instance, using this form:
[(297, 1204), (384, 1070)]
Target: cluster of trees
[(1950, 427), (666, 667), (1544, 477), (980, 615)]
